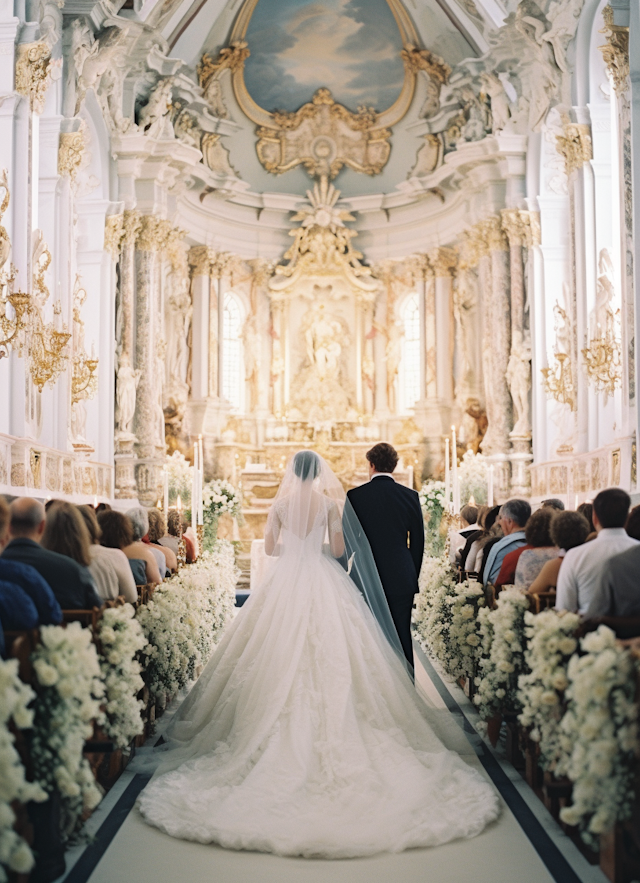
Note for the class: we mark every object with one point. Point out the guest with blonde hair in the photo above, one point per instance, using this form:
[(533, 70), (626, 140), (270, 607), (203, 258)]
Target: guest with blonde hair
[(109, 567)]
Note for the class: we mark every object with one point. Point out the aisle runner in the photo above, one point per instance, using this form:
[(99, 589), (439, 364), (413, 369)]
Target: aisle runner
[(517, 847)]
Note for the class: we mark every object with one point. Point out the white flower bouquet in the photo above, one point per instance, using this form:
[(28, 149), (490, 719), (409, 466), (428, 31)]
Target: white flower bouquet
[(121, 639), (15, 697), (219, 497), (432, 501), (600, 735), (69, 693), (502, 654), (550, 645)]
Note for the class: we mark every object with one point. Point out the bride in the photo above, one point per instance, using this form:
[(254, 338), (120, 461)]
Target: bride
[(304, 734)]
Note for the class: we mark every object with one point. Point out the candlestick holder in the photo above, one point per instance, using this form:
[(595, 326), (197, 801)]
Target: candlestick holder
[(182, 553), (200, 535)]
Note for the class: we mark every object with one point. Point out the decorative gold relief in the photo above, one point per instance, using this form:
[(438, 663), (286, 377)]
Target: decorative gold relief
[(324, 136), (113, 234), (201, 260), (422, 60), (84, 380), (616, 51), (558, 380), (33, 69), (12, 330), (230, 58), (575, 145), (603, 357), (71, 153)]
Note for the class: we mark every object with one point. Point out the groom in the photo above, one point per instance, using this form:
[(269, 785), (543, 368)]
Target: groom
[(391, 518)]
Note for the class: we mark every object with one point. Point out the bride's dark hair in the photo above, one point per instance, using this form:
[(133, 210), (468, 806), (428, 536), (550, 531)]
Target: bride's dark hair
[(306, 464)]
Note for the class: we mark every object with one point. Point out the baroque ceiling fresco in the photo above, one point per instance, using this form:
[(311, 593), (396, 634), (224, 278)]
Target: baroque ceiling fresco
[(351, 47)]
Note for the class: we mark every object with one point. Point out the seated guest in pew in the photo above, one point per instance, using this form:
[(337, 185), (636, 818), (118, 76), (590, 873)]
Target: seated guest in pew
[(117, 533), (458, 538), (616, 597), (583, 567), (109, 567), (157, 531), (27, 577), (522, 566), (69, 581), (632, 526), (586, 509), (567, 530), (140, 525), (553, 503), (17, 611), (490, 534), (171, 539), (514, 515), (472, 536), (191, 542)]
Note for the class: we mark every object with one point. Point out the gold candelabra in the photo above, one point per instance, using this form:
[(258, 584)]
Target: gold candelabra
[(84, 379), (558, 381), (603, 359)]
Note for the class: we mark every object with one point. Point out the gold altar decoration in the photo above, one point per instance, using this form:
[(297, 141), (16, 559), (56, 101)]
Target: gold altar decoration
[(12, 331), (84, 380), (71, 152), (558, 380), (33, 69), (574, 145), (615, 51), (603, 357), (322, 246), (47, 342), (323, 136)]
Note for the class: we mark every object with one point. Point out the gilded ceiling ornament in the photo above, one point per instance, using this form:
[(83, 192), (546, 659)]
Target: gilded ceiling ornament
[(323, 136), (423, 60), (616, 51), (113, 234), (230, 58), (322, 246), (574, 145), (33, 69), (71, 153)]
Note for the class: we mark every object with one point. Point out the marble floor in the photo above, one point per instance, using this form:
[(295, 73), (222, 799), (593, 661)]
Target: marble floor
[(525, 844)]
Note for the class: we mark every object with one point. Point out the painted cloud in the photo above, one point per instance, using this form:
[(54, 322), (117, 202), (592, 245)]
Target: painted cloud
[(297, 46)]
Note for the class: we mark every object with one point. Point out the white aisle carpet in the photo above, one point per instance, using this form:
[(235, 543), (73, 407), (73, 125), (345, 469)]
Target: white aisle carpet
[(501, 854)]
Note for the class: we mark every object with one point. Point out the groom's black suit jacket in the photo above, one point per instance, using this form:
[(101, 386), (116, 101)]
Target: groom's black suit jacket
[(391, 518)]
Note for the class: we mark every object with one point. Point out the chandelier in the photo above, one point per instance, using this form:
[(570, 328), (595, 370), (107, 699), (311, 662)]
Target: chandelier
[(47, 346), (603, 357), (84, 379), (558, 381)]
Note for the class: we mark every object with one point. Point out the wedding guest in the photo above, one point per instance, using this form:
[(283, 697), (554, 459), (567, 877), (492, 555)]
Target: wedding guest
[(109, 567), (514, 515), (117, 533), (26, 577), (632, 526), (457, 538), (567, 530), (472, 537), (102, 507), (17, 611), (140, 525), (70, 582), (157, 531), (539, 550), (582, 567), (191, 542), (616, 597), (586, 509), (66, 533), (553, 503), (174, 531), (490, 535)]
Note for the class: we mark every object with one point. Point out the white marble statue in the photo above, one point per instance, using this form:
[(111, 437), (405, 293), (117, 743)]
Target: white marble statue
[(126, 386), (519, 381), (324, 335)]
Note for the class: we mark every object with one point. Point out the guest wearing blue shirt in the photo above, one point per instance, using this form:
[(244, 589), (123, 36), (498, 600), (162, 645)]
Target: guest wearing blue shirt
[(27, 577), (17, 610), (514, 514)]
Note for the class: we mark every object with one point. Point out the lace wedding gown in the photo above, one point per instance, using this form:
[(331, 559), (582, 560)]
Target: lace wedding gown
[(304, 734)]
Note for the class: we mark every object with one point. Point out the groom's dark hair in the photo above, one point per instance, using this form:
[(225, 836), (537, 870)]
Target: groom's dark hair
[(383, 457)]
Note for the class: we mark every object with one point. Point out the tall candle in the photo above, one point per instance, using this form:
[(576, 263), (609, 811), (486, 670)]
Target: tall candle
[(454, 473), (575, 505), (165, 490), (447, 476), (200, 456), (490, 486), (200, 500)]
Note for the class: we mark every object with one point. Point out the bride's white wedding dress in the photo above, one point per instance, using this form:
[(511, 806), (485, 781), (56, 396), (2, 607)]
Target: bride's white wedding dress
[(304, 734)]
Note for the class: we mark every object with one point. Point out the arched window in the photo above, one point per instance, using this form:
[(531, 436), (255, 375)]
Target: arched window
[(409, 375), (232, 367)]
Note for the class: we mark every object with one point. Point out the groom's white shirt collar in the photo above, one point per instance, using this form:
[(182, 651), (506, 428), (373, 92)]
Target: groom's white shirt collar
[(381, 475)]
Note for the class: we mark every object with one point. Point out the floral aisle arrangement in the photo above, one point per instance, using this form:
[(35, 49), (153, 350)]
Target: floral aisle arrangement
[(219, 497), (183, 620), (69, 694), (121, 639), (445, 618), (180, 473), (550, 645), (15, 698), (473, 473), (502, 633), (600, 735), (432, 502)]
